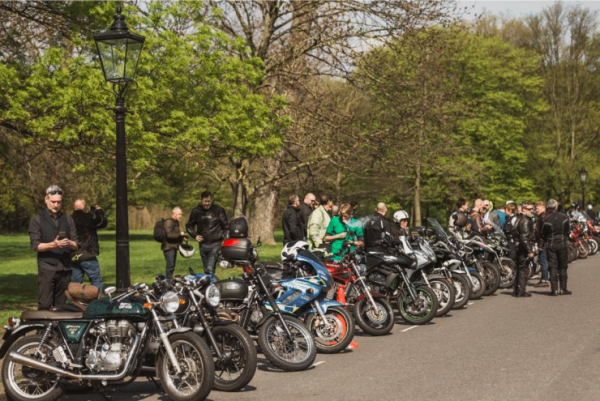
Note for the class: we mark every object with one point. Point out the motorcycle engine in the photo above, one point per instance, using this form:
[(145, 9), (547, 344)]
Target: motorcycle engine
[(113, 340)]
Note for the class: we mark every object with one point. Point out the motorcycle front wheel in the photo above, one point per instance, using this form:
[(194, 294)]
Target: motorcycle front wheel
[(280, 350), (238, 365), (594, 246), (583, 249), (198, 369), (445, 294), (376, 321), (477, 285), (23, 383), (573, 252), (462, 290), (421, 310), (336, 334), (491, 275), (507, 280)]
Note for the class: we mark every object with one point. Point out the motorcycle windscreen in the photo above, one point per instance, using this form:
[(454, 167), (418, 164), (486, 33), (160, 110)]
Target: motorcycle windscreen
[(321, 271)]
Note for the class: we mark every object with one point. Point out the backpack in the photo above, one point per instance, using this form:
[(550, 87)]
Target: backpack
[(159, 231)]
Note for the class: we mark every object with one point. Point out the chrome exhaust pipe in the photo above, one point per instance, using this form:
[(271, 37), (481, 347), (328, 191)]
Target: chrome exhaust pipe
[(35, 364)]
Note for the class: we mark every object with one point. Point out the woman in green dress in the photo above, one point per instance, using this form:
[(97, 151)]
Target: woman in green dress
[(344, 228)]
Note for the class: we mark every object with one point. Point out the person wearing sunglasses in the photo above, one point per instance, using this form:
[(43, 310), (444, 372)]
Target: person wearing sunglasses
[(526, 248), (53, 235)]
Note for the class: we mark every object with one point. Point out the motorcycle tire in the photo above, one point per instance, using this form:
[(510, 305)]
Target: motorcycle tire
[(573, 252), (419, 316), (508, 280), (191, 351), (594, 246), (491, 277), (272, 339), (583, 251), (239, 368), (444, 291), (51, 390), (462, 290), (478, 288), (338, 333), (533, 267), (375, 323)]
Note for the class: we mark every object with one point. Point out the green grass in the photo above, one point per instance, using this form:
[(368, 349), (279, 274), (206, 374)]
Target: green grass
[(18, 266)]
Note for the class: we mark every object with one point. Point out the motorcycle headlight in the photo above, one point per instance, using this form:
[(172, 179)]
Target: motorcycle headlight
[(213, 295), (169, 302)]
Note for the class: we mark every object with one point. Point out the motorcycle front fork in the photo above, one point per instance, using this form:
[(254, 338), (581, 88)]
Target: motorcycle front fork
[(165, 338)]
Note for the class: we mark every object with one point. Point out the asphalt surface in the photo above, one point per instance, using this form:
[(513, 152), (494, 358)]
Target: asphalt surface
[(498, 348)]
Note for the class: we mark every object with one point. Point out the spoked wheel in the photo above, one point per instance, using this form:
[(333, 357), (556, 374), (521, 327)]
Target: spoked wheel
[(491, 275), (477, 285), (377, 320), (507, 279), (280, 350), (583, 250), (238, 363), (420, 310), (24, 383), (444, 291), (197, 368), (335, 334), (462, 290)]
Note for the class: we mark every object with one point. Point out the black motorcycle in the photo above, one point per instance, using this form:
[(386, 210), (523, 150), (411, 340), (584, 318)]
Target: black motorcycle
[(108, 342), (232, 347)]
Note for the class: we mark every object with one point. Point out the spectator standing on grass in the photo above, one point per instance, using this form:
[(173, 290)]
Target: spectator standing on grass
[(53, 235), (306, 208), (208, 225), (318, 222), (85, 259), (291, 221), (173, 238)]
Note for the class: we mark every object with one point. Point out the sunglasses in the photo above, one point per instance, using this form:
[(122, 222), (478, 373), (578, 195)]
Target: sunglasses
[(55, 192)]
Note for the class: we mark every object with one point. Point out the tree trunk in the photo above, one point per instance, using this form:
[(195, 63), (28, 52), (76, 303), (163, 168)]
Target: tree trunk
[(338, 187), (418, 194), (266, 198)]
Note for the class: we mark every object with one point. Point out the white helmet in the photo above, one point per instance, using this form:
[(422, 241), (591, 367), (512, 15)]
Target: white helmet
[(291, 249), (400, 215), (186, 250)]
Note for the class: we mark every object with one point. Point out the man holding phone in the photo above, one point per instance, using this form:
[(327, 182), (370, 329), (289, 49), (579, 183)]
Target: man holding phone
[(53, 235)]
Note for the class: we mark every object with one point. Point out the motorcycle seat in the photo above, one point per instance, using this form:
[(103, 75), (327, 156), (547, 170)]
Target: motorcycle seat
[(50, 315)]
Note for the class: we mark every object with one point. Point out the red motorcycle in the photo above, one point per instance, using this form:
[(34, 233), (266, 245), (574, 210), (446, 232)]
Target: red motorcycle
[(578, 240), (372, 312)]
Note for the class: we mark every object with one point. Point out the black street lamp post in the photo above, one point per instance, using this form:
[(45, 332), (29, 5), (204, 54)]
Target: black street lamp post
[(119, 52), (583, 177)]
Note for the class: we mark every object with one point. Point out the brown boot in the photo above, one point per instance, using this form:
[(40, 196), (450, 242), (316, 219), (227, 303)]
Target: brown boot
[(541, 283)]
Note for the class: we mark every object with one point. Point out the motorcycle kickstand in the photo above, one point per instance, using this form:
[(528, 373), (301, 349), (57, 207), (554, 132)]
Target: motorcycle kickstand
[(153, 380)]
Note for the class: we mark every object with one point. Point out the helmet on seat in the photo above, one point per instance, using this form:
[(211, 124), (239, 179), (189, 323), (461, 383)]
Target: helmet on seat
[(461, 219), (400, 215)]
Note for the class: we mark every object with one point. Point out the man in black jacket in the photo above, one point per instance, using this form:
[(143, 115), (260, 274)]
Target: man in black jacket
[(52, 235), (291, 222), (173, 238), (525, 251), (208, 225), (555, 233), (85, 259), (375, 227), (306, 208)]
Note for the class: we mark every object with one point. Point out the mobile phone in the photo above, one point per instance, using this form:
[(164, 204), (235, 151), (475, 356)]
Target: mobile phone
[(62, 235)]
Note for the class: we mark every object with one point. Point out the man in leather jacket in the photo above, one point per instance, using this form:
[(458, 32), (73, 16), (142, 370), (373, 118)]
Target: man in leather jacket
[(555, 233), (375, 228), (525, 251), (208, 225)]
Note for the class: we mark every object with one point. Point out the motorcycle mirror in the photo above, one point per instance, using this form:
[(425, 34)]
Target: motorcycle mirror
[(109, 291), (160, 277), (191, 271), (258, 243)]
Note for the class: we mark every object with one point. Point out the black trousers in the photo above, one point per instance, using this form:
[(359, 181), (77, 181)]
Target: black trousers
[(171, 258), (52, 285), (522, 272), (558, 262)]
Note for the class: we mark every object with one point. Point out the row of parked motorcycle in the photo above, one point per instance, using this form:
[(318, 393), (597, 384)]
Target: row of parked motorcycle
[(196, 333)]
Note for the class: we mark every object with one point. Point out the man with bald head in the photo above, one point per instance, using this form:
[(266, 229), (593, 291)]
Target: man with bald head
[(375, 228), (306, 208), (85, 259), (173, 238)]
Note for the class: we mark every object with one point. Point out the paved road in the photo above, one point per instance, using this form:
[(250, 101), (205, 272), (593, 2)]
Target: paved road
[(498, 348)]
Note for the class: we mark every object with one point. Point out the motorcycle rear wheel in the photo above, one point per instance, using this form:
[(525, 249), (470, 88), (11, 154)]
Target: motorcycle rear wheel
[(240, 367), (421, 313), (336, 335), (279, 350), (375, 323), (194, 358), (34, 380), (462, 289), (445, 294)]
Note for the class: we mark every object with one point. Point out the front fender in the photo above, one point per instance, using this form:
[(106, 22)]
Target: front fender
[(11, 337), (178, 330), (436, 276), (373, 294), (324, 306)]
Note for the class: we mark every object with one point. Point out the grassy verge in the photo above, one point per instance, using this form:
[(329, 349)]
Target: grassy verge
[(18, 267)]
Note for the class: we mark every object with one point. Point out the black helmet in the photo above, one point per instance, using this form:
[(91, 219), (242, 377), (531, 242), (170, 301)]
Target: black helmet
[(574, 205), (461, 219), (238, 228)]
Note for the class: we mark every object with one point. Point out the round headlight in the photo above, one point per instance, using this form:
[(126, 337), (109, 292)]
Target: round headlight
[(169, 302), (213, 295)]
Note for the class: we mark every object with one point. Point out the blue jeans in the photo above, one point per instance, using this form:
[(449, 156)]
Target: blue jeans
[(171, 258), (91, 268), (544, 263), (209, 256)]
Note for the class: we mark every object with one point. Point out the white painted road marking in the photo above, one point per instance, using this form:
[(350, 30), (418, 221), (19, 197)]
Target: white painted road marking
[(410, 328), (470, 303), (317, 363)]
